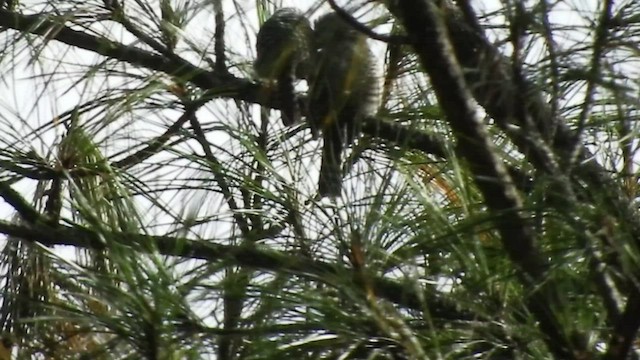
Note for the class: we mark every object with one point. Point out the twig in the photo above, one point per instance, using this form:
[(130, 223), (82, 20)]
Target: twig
[(155, 144), (217, 170), (219, 46), (364, 29), (599, 42)]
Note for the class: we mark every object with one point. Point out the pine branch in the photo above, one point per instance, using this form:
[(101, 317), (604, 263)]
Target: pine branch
[(247, 256), (430, 37)]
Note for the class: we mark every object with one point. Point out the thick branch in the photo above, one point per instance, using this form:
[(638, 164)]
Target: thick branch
[(496, 90), (18, 203), (248, 256), (430, 39), (218, 84), (405, 136), (625, 329), (474, 143), (488, 75)]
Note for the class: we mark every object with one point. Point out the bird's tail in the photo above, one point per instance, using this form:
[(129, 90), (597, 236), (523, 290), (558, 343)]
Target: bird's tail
[(330, 182)]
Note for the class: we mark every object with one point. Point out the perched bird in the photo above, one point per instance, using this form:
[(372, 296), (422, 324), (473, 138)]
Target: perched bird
[(283, 49), (343, 90)]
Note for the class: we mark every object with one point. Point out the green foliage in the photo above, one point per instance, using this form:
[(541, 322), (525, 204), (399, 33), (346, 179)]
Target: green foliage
[(153, 207)]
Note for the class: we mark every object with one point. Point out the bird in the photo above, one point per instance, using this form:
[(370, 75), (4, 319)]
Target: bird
[(283, 51), (343, 90)]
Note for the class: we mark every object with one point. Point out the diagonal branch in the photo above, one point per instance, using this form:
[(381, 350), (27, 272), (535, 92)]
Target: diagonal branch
[(154, 145), (346, 16), (218, 84), (218, 175), (425, 26), (19, 204), (601, 34), (496, 91)]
